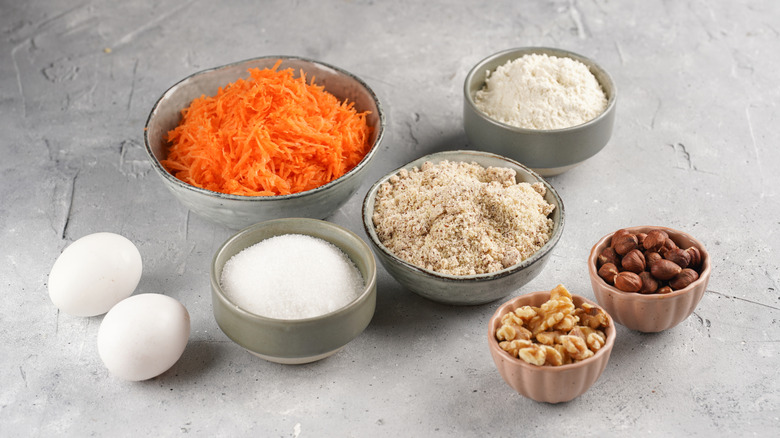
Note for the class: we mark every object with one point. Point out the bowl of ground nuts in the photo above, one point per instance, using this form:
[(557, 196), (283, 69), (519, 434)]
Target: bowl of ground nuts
[(649, 278), (463, 227), (551, 346)]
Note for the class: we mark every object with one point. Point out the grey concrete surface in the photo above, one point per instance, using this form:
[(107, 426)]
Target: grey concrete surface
[(694, 148)]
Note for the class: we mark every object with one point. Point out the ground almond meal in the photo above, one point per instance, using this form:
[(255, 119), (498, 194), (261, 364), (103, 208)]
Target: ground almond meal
[(461, 218)]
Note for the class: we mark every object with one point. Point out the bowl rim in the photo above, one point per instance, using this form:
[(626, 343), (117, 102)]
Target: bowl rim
[(703, 275), (181, 184), (370, 281), (610, 332), (550, 51), (369, 228)]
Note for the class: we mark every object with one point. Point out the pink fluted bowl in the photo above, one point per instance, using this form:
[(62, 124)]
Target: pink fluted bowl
[(653, 312), (550, 384)]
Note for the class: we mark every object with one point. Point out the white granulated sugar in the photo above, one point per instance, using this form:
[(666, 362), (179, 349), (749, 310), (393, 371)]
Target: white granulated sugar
[(538, 91), (291, 276)]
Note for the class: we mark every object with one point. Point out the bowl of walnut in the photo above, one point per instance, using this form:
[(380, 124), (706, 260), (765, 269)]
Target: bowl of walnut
[(551, 346), (649, 278)]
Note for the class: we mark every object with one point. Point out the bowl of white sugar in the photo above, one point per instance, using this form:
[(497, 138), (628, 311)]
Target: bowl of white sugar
[(463, 227), (547, 108), (293, 290)]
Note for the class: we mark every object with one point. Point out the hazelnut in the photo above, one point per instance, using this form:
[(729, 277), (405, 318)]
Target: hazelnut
[(649, 284), (640, 237), (608, 271), (652, 257), (683, 279), (608, 255), (655, 240), (617, 235), (664, 290), (628, 282), (668, 245), (624, 243), (695, 257), (634, 261), (678, 256), (664, 269)]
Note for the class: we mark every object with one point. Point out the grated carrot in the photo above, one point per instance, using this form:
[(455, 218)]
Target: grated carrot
[(271, 134)]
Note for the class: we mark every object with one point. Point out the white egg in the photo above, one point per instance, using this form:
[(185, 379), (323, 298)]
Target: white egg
[(94, 273), (143, 336)]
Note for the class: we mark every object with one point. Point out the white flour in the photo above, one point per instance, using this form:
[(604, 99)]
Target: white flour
[(538, 91)]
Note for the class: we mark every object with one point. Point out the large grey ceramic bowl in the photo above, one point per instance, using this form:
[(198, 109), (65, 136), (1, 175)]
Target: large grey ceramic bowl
[(295, 341), (240, 211), (465, 289), (548, 152)]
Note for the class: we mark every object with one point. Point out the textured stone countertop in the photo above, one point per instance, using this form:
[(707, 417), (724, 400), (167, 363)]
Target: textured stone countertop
[(694, 148)]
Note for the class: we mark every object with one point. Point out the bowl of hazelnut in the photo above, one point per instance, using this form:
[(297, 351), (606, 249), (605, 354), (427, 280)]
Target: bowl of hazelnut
[(649, 278), (551, 346)]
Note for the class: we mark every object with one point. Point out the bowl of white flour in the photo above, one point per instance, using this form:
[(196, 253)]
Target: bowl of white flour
[(547, 108)]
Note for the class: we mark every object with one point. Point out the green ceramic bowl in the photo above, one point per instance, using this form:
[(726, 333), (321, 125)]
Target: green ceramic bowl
[(465, 289), (548, 152), (295, 341)]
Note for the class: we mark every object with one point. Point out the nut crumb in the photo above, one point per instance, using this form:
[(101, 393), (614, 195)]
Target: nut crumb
[(461, 218)]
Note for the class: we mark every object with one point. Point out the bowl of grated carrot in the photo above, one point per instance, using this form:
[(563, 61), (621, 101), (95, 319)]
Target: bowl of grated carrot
[(264, 138)]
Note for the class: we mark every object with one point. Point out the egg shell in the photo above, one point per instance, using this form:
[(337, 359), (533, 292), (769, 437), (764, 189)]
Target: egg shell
[(94, 273), (143, 336)]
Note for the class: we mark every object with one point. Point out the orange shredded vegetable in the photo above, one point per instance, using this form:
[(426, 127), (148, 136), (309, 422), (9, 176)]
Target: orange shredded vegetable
[(271, 134)]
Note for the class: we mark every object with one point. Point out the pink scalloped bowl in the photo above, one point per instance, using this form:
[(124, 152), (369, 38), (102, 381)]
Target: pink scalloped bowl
[(654, 312), (550, 384)]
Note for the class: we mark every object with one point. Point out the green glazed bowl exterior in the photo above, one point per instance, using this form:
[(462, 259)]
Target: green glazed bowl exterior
[(300, 340)]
